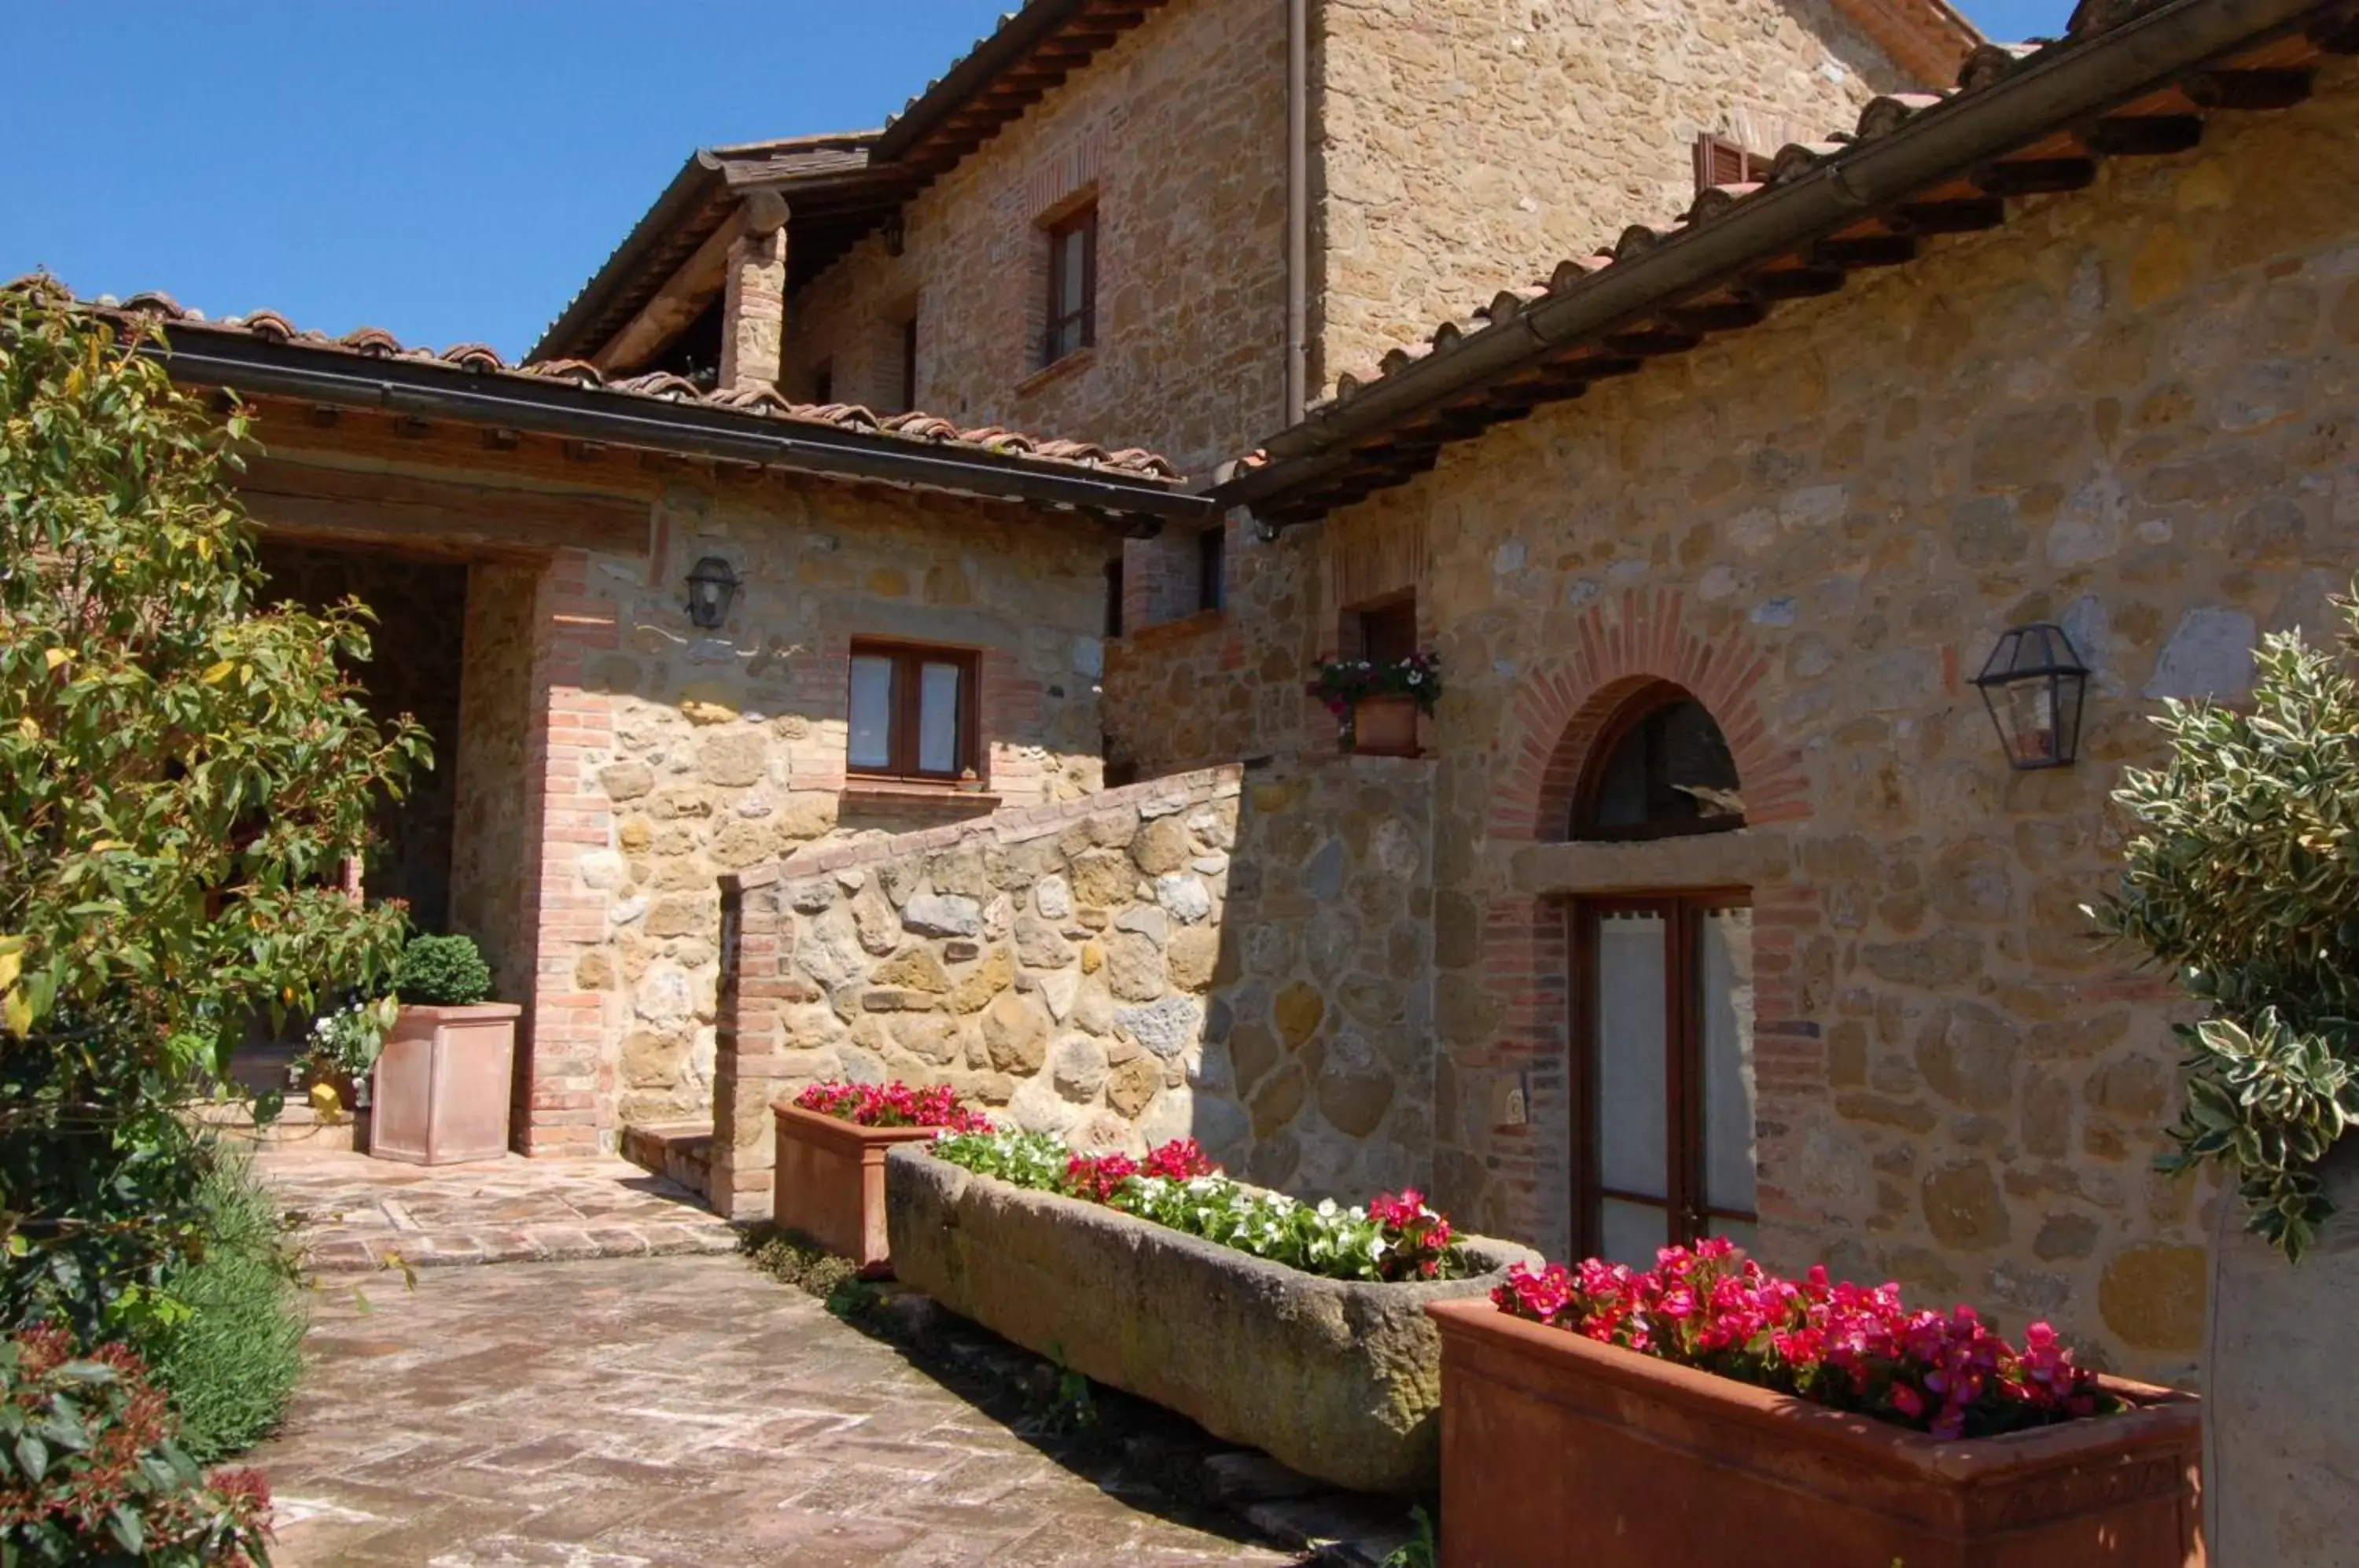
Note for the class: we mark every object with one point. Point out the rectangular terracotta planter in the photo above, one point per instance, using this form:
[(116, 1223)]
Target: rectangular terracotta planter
[(1384, 726), (442, 1085), (830, 1183), (1556, 1448), (1340, 1380)]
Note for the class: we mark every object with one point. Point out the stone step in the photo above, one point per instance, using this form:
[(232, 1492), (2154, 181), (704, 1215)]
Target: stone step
[(681, 1150)]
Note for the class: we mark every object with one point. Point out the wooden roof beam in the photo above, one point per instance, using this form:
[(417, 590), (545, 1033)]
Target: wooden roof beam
[(683, 298)]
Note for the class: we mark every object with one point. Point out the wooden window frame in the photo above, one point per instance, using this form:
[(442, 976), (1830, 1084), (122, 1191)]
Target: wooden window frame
[(1083, 220), (1602, 753), (903, 728), (1688, 1216)]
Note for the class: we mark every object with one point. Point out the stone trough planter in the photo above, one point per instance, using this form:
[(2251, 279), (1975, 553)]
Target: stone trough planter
[(1341, 1382), (1550, 1438), (830, 1183)]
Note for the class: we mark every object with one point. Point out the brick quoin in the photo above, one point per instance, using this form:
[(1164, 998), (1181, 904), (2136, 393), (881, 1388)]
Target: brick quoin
[(564, 1084), (1620, 649)]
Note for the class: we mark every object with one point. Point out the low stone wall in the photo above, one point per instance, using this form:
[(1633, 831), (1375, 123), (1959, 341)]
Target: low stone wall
[(1339, 1379), (1049, 963)]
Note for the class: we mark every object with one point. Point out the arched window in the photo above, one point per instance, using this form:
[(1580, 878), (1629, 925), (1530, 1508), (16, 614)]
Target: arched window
[(1661, 770)]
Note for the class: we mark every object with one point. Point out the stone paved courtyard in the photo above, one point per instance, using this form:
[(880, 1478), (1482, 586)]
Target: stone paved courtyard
[(686, 1413), (352, 1211)]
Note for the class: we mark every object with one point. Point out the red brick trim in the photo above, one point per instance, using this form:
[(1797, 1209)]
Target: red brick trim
[(1622, 647)]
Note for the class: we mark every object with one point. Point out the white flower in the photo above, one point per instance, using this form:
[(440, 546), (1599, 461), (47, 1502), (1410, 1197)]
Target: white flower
[(1415, 678)]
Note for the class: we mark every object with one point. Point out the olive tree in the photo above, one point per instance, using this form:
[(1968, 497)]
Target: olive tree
[(182, 772), (2243, 874)]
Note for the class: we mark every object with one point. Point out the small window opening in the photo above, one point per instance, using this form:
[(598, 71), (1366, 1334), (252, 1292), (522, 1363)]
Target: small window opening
[(1664, 771), (1072, 286), (1720, 161), (824, 383), (1211, 567), (912, 713)]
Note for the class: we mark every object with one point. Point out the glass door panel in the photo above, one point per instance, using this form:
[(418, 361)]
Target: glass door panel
[(1633, 1056)]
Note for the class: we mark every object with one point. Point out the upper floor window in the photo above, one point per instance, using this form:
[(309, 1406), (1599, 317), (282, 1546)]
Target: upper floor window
[(910, 364), (913, 712), (1721, 161), (1073, 285), (1385, 631), (824, 383)]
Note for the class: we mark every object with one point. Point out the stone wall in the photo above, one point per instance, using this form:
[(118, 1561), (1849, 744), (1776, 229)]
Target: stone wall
[(1050, 964), (677, 755), (2129, 411), (1468, 145), (1178, 959)]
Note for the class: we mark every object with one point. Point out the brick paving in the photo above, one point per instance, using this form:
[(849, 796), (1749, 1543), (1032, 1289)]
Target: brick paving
[(351, 1212), (690, 1413)]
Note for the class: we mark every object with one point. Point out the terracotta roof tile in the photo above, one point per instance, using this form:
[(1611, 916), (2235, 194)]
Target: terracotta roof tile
[(476, 359)]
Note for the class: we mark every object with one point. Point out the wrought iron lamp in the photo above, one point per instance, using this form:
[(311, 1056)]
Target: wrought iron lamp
[(2034, 684), (710, 586)]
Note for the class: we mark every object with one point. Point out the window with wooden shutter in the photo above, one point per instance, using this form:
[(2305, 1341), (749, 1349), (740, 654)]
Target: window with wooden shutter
[(1387, 632), (1720, 161)]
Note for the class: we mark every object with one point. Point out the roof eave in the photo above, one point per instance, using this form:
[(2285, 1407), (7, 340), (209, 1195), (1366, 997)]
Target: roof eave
[(701, 176), (332, 377)]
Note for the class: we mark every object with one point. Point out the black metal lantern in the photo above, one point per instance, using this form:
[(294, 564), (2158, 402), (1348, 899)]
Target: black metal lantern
[(710, 586), (2033, 684)]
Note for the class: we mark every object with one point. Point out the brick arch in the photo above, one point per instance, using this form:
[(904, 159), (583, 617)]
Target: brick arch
[(1621, 647)]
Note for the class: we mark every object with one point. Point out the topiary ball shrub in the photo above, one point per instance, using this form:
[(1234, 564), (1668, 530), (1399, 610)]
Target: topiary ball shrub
[(442, 972), (231, 1356)]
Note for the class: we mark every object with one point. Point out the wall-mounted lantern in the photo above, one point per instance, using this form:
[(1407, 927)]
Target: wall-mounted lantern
[(710, 586), (2033, 684)]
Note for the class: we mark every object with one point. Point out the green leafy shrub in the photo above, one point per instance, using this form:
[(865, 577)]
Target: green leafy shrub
[(442, 972), (89, 1474), (2243, 876), (229, 1347), (181, 776)]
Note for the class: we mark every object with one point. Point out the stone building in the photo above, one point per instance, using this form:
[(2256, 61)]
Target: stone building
[(1741, 919), (1710, 900), (915, 636)]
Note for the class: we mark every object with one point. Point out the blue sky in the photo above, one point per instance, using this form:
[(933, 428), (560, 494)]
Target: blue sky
[(449, 169)]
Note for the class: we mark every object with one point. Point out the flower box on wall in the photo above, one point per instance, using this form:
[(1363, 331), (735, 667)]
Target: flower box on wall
[(1384, 726), (1549, 1437), (1340, 1380), (830, 1183), (442, 1085)]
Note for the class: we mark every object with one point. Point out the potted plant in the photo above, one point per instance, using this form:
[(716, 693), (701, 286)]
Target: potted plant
[(442, 1078), (830, 1182), (1707, 1411), (332, 1070), (1376, 705), (1293, 1327), (2241, 875)]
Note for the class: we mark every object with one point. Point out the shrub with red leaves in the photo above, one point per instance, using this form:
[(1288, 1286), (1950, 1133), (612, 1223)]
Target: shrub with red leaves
[(893, 1105), (90, 1472), (1840, 1344)]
